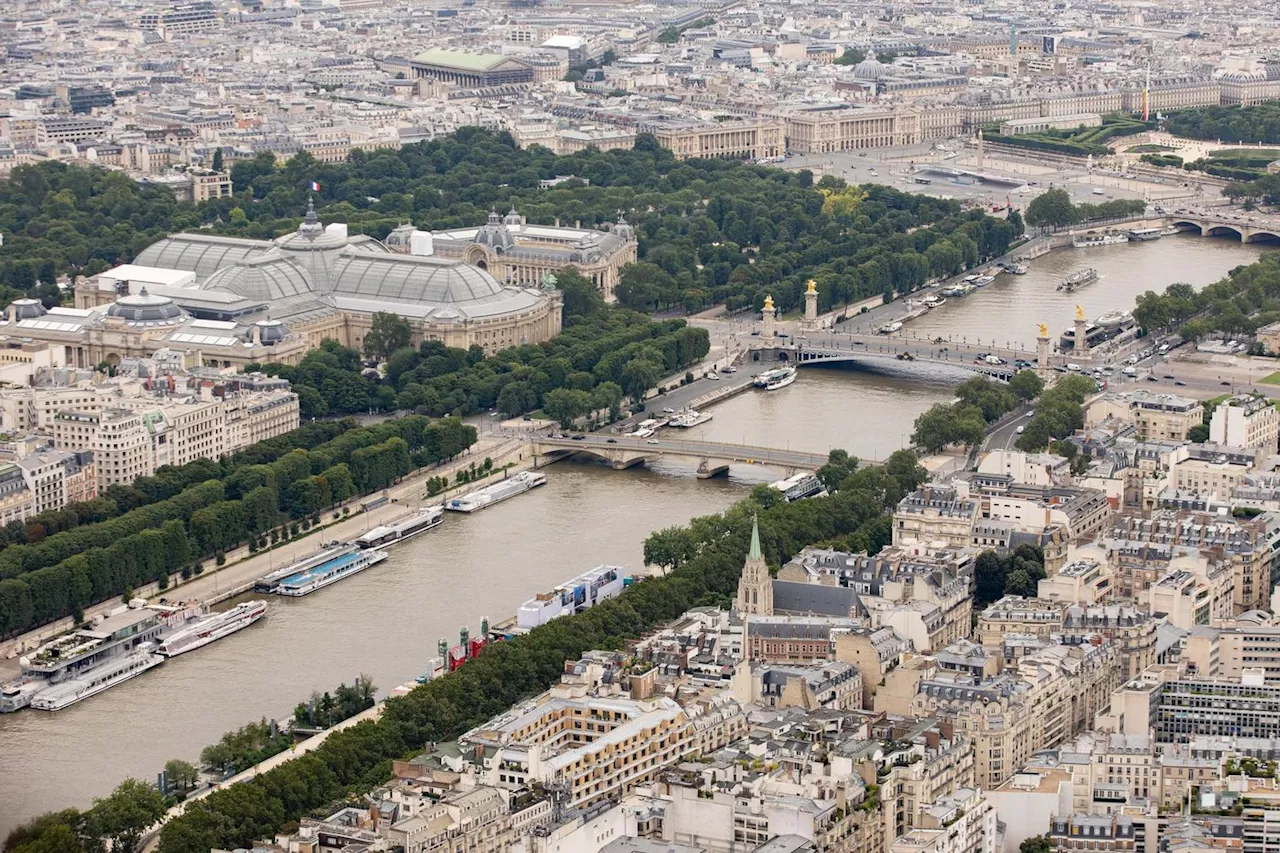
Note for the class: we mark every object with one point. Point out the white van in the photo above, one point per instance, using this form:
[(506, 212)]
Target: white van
[(1130, 372), (1072, 366)]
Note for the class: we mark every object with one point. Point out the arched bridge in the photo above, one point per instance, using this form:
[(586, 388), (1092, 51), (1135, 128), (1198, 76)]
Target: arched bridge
[(1246, 228), (898, 352), (711, 458)]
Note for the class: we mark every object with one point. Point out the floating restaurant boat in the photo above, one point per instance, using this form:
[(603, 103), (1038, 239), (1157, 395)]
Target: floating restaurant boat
[(351, 561), (389, 534), (799, 486), (210, 628), (517, 484), (1079, 279)]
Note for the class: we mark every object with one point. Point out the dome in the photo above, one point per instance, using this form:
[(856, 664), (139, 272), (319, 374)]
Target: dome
[(311, 235), (495, 234), (512, 218), (623, 230), (430, 280), (271, 331), (869, 69), (267, 280), (26, 309), (142, 307)]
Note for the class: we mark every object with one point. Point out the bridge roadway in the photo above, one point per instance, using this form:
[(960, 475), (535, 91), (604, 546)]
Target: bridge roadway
[(826, 347), (1249, 227), (711, 457)]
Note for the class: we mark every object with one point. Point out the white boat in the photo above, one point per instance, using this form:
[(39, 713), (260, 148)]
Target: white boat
[(1079, 279), (330, 572), (498, 492), (690, 418), (782, 379), (1105, 238), (983, 280), (389, 534), (213, 627), (95, 680), (890, 328), (803, 485), (1143, 234)]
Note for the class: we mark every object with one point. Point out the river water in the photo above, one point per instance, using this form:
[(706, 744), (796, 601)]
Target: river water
[(385, 622)]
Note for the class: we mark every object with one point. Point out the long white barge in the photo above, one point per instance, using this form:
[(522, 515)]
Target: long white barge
[(516, 484), (211, 628), (389, 534), (93, 681)]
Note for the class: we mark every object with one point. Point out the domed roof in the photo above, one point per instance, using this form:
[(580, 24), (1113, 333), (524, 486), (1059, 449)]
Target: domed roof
[(512, 217), (495, 234), (622, 229), (266, 280), (412, 278), (869, 69), (311, 235), (26, 309), (142, 307)]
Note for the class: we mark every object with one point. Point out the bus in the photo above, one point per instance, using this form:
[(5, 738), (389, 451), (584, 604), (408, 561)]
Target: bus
[(919, 180)]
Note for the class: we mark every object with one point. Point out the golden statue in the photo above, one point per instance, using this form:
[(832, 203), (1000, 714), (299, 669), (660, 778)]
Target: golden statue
[(812, 286), (768, 303), (1079, 313), (1044, 330)]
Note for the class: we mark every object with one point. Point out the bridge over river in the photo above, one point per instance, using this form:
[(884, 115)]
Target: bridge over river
[(711, 458), (898, 352)]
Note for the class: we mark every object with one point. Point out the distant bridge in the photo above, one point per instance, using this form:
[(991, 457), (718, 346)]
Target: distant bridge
[(898, 352), (1241, 227), (711, 458)]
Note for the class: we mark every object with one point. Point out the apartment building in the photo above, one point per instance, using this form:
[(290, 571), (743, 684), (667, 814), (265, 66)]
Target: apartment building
[(1229, 651), (1245, 420), (1141, 547), (45, 480), (963, 822), (937, 764), (936, 516), (1050, 696), (1084, 581), (1213, 469), (1155, 416), (1187, 598)]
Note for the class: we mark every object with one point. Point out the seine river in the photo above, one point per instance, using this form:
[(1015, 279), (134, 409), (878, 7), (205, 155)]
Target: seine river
[(386, 621)]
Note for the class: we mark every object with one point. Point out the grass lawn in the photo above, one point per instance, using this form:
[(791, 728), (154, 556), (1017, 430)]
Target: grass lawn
[(1271, 378)]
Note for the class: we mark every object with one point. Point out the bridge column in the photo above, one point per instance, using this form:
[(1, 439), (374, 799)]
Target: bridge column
[(810, 321), (708, 469), (1082, 339), (1043, 348), (767, 334)]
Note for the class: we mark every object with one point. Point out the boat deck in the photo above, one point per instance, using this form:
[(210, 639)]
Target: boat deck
[(324, 568)]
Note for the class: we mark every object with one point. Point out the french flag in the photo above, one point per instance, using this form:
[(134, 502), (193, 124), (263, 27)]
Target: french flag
[(315, 186)]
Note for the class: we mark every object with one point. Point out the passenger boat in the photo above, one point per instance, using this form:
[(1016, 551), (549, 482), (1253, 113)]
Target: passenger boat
[(1093, 238), (498, 492), (1079, 279), (799, 486), (329, 572), (781, 378), (1143, 234), (213, 627), (890, 328), (389, 534), (690, 418), (97, 679)]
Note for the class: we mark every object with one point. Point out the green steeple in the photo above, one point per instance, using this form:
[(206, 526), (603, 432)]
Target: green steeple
[(754, 553)]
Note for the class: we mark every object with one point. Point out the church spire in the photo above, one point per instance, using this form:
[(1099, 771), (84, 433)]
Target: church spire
[(755, 587)]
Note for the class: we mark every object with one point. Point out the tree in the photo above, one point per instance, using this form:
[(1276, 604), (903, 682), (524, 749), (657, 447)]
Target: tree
[(182, 774), (1198, 433), (639, 375), (125, 814), (1026, 385), (516, 399), (851, 56), (581, 298), (608, 395), (217, 159), (1051, 209), (989, 577), (1036, 844), (565, 405), (387, 333)]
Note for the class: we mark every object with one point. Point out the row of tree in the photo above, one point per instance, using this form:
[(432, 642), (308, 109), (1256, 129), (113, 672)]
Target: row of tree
[(1246, 299), (1055, 209), (980, 402), (1259, 123), (1015, 573), (591, 365), (324, 710), (65, 573), (706, 572)]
